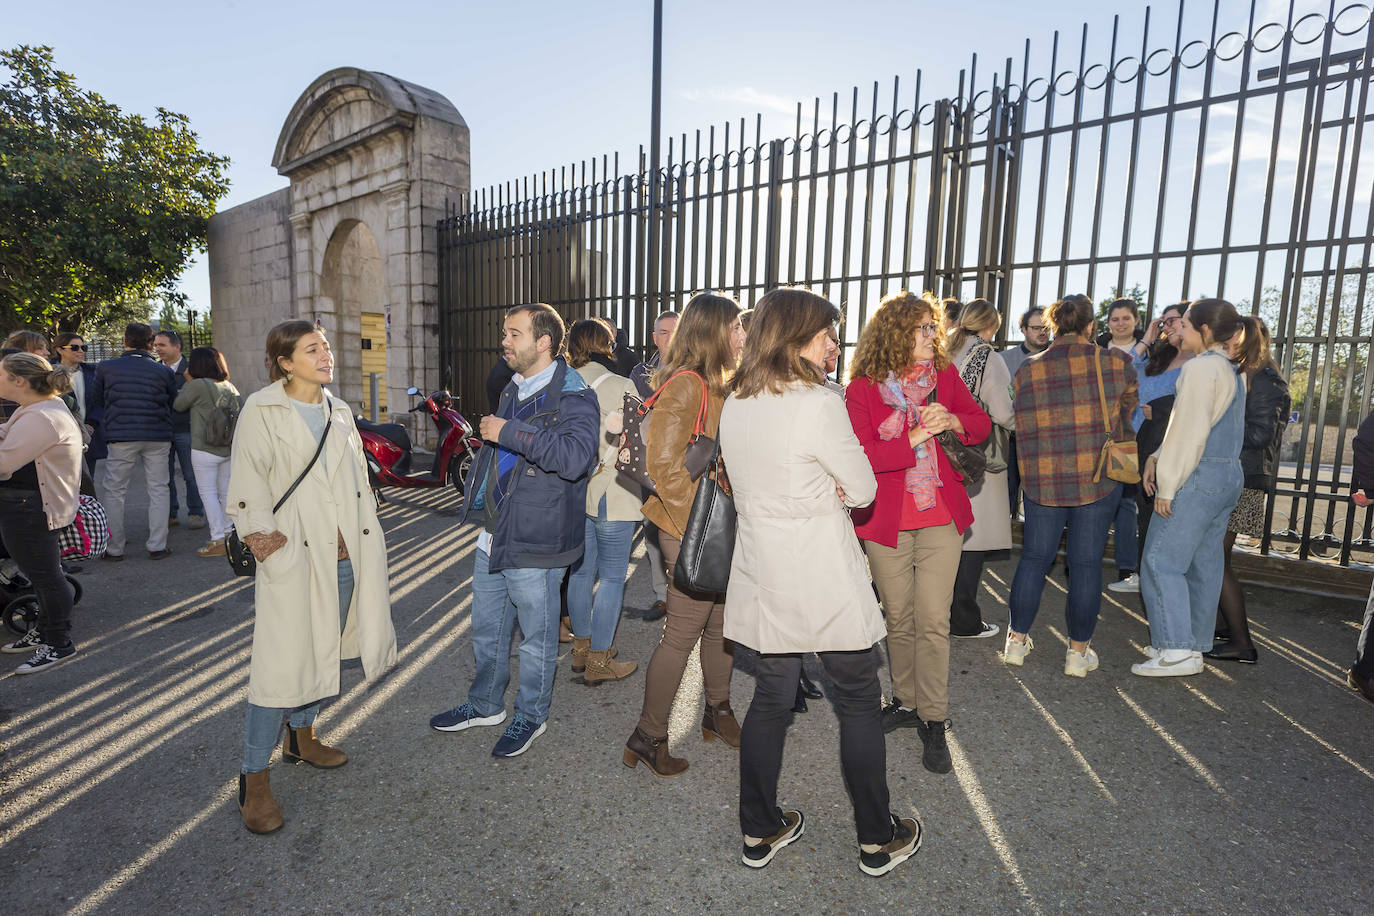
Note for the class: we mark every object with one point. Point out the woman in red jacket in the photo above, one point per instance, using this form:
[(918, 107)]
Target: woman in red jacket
[(903, 393)]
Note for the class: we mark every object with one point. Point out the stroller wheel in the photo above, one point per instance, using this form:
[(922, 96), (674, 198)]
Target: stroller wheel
[(21, 614), (76, 589)]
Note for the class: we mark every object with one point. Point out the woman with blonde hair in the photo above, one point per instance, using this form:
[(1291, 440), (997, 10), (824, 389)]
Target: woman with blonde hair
[(300, 499), (612, 509), (989, 536), (704, 352), (903, 393), (40, 473), (27, 342)]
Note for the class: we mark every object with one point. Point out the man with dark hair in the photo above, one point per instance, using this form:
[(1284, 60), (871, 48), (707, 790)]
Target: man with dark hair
[(167, 344), (664, 326), (1035, 339), (136, 394), (528, 490)]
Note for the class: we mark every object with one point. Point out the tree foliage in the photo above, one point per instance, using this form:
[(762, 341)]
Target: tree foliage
[(97, 207)]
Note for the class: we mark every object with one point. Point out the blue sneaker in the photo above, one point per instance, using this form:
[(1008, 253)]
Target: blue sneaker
[(517, 737), (465, 716)]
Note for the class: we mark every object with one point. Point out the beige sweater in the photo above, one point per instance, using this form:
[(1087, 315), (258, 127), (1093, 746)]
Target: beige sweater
[(623, 496), (1206, 387), (46, 433)]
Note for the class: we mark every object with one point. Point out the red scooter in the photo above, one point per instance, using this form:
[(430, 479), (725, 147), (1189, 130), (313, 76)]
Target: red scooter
[(388, 449)]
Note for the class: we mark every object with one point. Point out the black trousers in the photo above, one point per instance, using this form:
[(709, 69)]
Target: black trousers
[(1364, 649), (24, 528), (857, 698), (965, 617)]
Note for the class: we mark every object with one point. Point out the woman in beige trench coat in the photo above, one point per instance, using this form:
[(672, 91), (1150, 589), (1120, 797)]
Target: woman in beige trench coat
[(321, 590), (798, 581)]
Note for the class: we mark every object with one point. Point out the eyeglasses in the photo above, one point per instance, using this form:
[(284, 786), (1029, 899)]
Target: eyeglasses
[(928, 329), (1037, 327), (81, 347), (1171, 320)]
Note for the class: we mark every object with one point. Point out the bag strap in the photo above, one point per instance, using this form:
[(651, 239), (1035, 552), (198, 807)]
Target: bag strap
[(1102, 391), (652, 399), (319, 448)]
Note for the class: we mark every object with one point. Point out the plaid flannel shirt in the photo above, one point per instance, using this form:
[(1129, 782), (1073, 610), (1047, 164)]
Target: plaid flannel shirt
[(1059, 431)]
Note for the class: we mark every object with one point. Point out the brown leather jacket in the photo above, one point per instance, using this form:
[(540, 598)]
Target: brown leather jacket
[(675, 415)]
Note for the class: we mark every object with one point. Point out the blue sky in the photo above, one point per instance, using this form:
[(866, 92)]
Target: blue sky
[(544, 83)]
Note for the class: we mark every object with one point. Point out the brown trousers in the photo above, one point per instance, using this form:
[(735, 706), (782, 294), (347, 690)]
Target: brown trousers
[(691, 616), (916, 583)]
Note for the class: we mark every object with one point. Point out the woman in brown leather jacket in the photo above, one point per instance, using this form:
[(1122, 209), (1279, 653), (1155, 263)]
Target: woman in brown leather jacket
[(705, 347)]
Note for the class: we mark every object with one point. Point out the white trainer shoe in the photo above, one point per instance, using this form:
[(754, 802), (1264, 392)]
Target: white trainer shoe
[(1078, 664), (1129, 584), (1013, 652), (1170, 663)]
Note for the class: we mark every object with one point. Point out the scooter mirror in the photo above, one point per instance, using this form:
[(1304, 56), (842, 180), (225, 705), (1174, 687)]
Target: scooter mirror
[(412, 390)]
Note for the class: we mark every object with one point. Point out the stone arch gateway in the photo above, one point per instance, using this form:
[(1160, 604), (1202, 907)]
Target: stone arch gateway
[(371, 161)]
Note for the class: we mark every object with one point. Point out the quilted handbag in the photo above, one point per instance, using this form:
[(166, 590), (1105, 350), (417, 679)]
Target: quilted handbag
[(708, 544), (631, 455), (85, 538)]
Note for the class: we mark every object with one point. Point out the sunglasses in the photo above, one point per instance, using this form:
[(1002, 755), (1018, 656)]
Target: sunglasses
[(81, 347)]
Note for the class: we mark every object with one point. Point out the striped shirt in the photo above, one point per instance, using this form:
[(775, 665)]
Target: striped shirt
[(1059, 429)]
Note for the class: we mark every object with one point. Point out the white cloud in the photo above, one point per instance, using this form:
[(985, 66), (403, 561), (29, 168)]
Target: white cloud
[(743, 95)]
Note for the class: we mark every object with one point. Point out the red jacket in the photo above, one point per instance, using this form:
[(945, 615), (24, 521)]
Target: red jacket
[(890, 459)]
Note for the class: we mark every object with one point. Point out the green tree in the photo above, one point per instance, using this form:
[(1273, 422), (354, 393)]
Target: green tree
[(98, 208), (1136, 292)]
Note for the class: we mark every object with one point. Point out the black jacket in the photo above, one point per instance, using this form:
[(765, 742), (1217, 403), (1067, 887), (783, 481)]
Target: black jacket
[(1364, 458), (1266, 414), (136, 392)]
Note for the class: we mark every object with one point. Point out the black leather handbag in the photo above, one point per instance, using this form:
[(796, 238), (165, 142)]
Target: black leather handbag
[(708, 544), (968, 462), (241, 559)]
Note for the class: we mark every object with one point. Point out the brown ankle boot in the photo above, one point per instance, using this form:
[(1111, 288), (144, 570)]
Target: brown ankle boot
[(301, 746), (653, 753), (260, 811), (579, 653), (600, 667), (719, 722)]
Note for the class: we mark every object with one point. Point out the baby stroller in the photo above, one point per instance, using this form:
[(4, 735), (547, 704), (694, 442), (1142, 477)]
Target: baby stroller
[(20, 603)]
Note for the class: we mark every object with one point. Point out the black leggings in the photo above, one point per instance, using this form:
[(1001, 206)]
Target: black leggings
[(24, 528)]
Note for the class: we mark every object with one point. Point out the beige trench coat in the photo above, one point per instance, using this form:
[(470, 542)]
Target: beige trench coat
[(798, 580), (296, 640)]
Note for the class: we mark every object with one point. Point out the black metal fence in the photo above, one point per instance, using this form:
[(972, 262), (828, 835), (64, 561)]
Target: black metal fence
[(1230, 164)]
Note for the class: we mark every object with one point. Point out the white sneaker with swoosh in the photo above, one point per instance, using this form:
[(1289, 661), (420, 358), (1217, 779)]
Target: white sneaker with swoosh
[(1170, 663)]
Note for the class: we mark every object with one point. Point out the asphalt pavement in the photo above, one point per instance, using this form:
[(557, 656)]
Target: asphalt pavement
[(1246, 789)]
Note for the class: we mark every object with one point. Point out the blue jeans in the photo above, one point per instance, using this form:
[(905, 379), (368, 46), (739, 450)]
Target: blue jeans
[(1087, 526), (499, 599), (262, 724), (606, 553), (1126, 531), (181, 451), (1180, 580)]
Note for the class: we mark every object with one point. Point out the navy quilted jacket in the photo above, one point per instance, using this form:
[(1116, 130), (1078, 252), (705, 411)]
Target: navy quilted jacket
[(136, 392)]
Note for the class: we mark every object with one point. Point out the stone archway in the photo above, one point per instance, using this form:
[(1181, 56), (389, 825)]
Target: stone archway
[(372, 161)]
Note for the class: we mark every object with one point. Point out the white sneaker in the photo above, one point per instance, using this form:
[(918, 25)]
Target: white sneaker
[(1170, 663), (1078, 664), (1013, 652), (1129, 584)]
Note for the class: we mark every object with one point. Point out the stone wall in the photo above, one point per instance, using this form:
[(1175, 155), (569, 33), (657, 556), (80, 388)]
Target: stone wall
[(251, 276)]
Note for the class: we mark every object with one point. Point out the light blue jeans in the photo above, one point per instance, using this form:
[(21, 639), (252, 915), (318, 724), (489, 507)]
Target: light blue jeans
[(499, 600), (606, 554), (1180, 579), (262, 725)]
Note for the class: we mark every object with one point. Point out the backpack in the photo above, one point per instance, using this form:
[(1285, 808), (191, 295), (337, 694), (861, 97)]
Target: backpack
[(224, 416), (88, 533)]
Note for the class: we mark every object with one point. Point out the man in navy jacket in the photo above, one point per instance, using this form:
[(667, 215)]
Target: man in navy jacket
[(1361, 674), (136, 392), (527, 489)]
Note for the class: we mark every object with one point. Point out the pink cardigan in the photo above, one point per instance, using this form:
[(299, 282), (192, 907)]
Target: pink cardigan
[(46, 433)]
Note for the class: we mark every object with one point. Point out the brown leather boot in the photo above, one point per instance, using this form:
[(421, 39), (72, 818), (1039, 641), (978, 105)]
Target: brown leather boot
[(260, 811), (653, 753), (301, 746), (719, 722), (600, 667), (579, 653)]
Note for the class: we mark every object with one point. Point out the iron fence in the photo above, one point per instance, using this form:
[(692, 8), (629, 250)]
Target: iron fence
[(1230, 164)]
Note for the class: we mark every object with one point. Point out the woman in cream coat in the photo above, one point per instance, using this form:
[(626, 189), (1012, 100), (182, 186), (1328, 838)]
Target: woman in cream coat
[(321, 560), (798, 580)]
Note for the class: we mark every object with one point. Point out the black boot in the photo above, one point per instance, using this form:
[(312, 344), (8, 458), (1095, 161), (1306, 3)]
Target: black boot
[(800, 705), (807, 688)]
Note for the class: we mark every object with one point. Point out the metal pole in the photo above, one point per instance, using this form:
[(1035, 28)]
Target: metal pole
[(655, 117)]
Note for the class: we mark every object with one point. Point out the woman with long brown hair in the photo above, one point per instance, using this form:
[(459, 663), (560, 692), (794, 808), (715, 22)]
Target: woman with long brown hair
[(1267, 403), (798, 581), (704, 352), (903, 393)]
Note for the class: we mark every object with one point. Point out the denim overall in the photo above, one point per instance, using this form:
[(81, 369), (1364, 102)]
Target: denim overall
[(1180, 579)]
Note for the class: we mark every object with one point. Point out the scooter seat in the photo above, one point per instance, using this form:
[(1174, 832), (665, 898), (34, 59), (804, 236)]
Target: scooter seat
[(392, 432)]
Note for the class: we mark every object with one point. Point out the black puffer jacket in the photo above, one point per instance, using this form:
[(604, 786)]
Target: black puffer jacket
[(1266, 414), (137, 393)]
